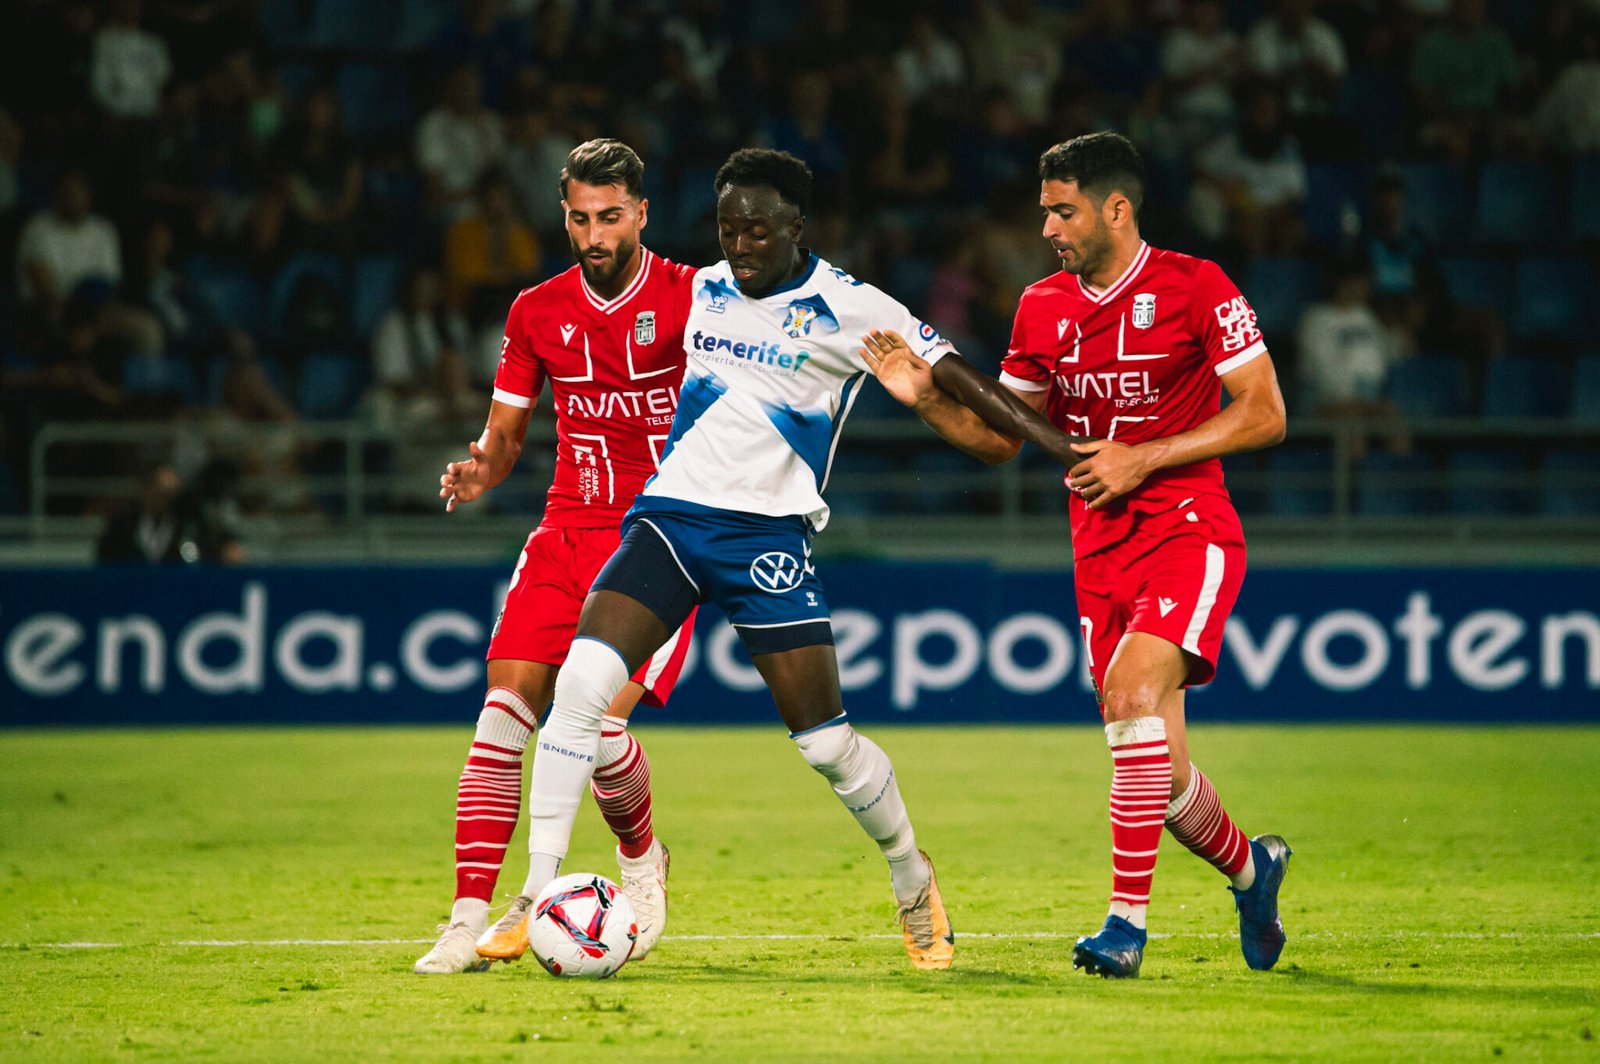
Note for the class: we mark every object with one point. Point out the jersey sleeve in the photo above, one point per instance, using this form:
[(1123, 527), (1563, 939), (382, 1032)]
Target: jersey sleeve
[(520, 375), (1223, 321), (923, 339), (1022, 370)]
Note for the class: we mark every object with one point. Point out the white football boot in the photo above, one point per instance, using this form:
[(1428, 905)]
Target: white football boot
[(456, 951), (644, 881)]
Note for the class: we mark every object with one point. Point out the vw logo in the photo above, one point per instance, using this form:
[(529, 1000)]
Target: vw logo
[(776, 572)]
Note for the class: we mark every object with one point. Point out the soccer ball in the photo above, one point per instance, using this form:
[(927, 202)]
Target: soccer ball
[(582, 927)]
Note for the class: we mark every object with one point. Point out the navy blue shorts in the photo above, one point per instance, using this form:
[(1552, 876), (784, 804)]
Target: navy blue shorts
[(675, 555)]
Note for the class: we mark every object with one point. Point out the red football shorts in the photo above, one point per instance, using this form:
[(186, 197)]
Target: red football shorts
[(1176, 577), (553, 577)]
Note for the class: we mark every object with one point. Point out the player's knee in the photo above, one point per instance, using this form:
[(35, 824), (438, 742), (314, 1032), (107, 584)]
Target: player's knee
[(1125, 701), (591, 677), (830, 750)]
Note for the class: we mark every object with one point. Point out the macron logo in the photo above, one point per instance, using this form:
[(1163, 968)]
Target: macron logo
[(1167, 605), (566, 333), (1061, 328)]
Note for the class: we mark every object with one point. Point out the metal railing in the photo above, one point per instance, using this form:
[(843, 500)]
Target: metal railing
[(349, 491)]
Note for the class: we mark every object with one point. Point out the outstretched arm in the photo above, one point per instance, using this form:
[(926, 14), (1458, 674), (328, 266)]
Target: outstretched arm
[(493, 455), (973, 411)]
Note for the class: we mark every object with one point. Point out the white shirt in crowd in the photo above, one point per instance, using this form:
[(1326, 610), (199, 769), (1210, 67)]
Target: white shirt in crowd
[(459, 149), (1345, 354), (127, 71), (72, 253)]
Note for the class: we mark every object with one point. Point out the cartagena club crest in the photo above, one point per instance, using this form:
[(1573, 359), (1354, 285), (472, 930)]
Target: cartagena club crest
[(797, 322), (1144, 310), (644, 328)]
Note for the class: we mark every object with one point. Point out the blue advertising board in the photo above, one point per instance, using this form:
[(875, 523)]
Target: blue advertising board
[(917, 643)]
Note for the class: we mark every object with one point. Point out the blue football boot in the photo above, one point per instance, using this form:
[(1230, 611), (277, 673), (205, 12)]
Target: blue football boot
[(1261, 936), (1115, 953)]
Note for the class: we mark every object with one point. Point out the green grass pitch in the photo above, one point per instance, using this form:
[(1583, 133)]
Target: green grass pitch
[(1442, 903)]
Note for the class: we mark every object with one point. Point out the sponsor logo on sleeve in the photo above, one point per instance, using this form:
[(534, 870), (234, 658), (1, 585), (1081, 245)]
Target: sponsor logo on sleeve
[(1238, 324)]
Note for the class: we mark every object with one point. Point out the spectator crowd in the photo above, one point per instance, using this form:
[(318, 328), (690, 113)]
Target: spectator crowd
[(258, 212)]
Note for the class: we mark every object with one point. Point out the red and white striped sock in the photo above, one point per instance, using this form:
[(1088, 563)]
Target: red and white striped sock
[(1196, 819), (1141, 785), (489, 798), (621, 786)]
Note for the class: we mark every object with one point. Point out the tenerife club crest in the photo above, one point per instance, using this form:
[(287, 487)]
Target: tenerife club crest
[(1144, 310), (797, 321), (644, 328)]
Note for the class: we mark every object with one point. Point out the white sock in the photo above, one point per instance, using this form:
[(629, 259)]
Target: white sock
[(474, 912), (1134, 914), (564, 755), (863, 779)]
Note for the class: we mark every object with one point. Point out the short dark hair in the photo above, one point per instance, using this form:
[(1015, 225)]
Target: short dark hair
[(603, 162), (1101, 163), (785, 174)]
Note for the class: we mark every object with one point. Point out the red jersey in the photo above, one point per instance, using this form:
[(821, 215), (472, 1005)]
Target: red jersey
[(1140, 360), (614, 369)]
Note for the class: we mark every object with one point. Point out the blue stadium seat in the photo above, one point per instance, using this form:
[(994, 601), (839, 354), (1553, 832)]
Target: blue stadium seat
[(1523, 387), (158, 375), (1332, 189), (1478, 282), (1397, 485), (330, 384), (1555, 299), (374, 99), (1584, 223), (1515, 201), (1586, 389), (228, 292), (296, 79), (1569, 482), (283, 24), (1300, 482), (1436, 200), (420, 21), (325, 268), (341, 24), (1487, 481), (1431, 385), (375, 288), (1279, 289)]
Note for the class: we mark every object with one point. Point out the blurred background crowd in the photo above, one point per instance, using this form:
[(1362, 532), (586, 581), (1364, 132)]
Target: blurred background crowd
[(255, 214)]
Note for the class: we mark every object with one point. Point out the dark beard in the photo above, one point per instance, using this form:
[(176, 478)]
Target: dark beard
[(608, 272)]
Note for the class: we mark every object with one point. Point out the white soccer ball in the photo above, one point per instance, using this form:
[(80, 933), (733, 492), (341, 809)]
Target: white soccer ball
[(582, 927)]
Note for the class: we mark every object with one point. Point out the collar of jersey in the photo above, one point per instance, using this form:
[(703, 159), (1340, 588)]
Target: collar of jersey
[(1115, 288), (790, 286), (607, 306)]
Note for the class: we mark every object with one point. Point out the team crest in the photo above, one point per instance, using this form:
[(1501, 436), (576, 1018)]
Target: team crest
[(644, 328), (1144, 310), (797, 322)]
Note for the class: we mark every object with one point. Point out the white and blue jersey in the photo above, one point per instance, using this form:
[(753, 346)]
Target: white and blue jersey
[(729, 515), (767, 386)]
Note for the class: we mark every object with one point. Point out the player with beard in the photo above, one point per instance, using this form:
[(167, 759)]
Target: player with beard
[(1133, 345), (608, 336)]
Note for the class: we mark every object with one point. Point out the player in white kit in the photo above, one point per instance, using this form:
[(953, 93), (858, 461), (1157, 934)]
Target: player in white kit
[(773, 367)]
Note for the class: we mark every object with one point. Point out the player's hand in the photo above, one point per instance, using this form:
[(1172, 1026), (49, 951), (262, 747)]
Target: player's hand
[(465, 481), (901, 372), (1108, 470)]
